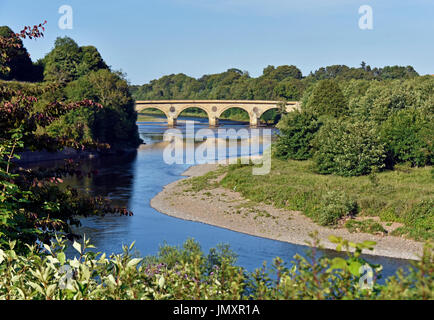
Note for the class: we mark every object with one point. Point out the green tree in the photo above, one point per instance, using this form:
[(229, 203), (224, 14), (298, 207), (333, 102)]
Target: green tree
[(326, 98), (91, 60), (397, 72), (282, 72), (289, 90), (18, 65), (297, 130), (115, 124), (348, 148), (409, 135), (67, 61)]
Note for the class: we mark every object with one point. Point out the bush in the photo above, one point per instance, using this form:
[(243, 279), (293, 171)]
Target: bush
[(419, 222), (409, 135), (297, 129), (334, 206), (348, 148), (366, 226)]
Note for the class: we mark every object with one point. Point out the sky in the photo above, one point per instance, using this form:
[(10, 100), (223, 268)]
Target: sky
[(147, 39)]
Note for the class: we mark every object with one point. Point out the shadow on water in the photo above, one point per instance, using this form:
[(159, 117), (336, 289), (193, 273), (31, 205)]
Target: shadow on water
[(133, 180)]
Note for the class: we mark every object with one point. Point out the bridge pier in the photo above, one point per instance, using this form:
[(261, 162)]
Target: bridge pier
[(254, 121), (213, 121), (171, 122)]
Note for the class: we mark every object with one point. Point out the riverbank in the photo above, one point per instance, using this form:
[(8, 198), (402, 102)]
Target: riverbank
[(228, 209)]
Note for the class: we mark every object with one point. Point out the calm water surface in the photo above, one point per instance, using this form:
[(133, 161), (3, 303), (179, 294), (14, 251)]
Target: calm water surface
[(133, 180)]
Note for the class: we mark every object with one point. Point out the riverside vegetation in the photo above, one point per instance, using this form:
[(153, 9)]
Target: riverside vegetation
[(187, 273), (80, 93)]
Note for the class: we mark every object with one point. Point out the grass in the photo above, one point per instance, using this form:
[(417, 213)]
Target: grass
[(366, 226), (405, 195)]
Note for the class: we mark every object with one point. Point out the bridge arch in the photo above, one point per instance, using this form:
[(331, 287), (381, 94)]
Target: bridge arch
[(171, 119), (251, 111), (263, 110), (221, 111), (183, 108), (143, 108)]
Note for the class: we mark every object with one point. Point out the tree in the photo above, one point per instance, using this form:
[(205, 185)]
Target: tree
[(115, 124), (18, 66), (326, 98), (67, 61), (409, 135), (91, 60), (297, 130), (33, 208), (348, 148), (397, 72), (289, 90), (282, 72)]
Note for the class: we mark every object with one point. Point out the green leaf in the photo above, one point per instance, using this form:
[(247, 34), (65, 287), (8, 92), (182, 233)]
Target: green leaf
[(339, 263), (61, 257), (77, 246), (334, 239), (354, 268), (133, 262), (369, 244), (161, 282)]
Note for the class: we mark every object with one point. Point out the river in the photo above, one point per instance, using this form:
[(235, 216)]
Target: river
[(133, 180)]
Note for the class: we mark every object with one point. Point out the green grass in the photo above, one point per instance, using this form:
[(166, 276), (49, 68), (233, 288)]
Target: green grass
[(403, 195), (366, 226)]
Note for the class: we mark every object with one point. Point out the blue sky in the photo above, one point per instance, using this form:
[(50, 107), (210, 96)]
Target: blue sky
[(150, 38)]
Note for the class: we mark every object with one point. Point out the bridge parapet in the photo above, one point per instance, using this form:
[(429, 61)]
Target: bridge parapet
[(214, 108)]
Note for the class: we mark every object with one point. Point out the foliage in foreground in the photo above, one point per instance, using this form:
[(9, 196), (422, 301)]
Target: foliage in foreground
[(189, 274)]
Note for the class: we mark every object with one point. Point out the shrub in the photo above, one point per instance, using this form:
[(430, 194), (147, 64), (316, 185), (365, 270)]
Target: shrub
[(334, 206), (348, 148), (366, 226), (409, 135), (297, 129), (419, 221)]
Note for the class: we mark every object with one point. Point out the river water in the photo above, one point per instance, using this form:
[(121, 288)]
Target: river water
[(133, 180)]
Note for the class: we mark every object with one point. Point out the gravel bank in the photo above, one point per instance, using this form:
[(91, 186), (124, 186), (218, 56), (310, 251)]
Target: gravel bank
[(228, 209)]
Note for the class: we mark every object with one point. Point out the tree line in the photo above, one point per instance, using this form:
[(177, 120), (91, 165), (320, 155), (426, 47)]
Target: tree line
[(358, 127), (282, 83)]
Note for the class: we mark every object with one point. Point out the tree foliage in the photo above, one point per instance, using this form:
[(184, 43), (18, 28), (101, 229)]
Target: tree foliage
[(67, 61), (409, 136), (297, 130), (33, 208), (348, 148), (327, 99), (15, 62), (115, 124)]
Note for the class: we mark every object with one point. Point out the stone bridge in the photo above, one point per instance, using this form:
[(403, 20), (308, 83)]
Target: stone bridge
[(214, 108)]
